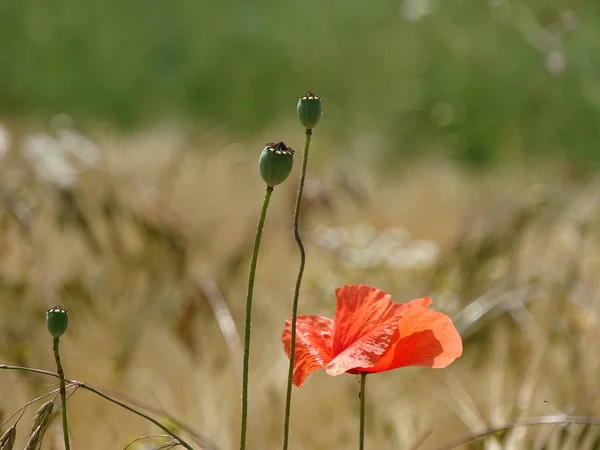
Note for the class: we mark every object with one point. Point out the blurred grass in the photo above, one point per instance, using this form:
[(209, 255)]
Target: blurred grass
[(148, 249), (475, 80), (145, 237)]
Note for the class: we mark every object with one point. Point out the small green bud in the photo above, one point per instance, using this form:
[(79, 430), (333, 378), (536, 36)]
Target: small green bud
[(310, 108), (57, 321), (275, 163)]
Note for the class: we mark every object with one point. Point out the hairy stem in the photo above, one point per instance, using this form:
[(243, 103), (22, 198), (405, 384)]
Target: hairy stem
[(288, 398), (248, 325), (361, 432), (63, 393)]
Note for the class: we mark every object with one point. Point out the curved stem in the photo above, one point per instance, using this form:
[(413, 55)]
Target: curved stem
[(63, 393), (288, 398), (361, 433), (141, 414), (248, 325), (527, 422), (87, 387)]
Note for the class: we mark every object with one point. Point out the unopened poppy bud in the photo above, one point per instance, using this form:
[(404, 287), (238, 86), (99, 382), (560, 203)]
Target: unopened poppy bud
[(276, 163), (310, 108), (57, 321)]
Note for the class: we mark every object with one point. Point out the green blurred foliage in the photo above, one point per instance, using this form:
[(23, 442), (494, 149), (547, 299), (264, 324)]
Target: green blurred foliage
[(477, 78)]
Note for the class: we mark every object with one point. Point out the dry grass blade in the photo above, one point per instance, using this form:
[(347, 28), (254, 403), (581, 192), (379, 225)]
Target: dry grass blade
[(43, 416), (590, 439), (34, 440), (7, 441), (20, 211), (225, 319), (204, 441), (528, 422), (166, 446), (107, 397), (466, 407), (489, 306), (152, 436), (22, 409), (518, 435)]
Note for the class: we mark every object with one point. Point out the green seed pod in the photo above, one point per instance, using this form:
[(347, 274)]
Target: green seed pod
[(275, 163), (57, 321), (310, 108), (7, 441)]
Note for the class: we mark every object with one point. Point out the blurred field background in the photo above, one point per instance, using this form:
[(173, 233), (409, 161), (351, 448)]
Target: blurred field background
[(456, 158)]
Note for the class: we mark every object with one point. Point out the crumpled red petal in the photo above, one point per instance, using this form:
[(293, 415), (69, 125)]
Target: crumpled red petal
[(365, 322), (314, 337), (424, 338), (359, 310)]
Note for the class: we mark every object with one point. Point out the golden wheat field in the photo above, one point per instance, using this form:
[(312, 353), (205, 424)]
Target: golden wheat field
[(146, 240)]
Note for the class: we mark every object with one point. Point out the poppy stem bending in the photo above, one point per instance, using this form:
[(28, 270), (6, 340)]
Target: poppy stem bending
[(248, 324), (288, 398), (63, 393), (361, 433)]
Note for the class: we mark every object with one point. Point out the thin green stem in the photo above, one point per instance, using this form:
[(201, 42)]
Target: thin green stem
[(89, 388), (361, 432), (63, 393), (248, 326), (288, 397)]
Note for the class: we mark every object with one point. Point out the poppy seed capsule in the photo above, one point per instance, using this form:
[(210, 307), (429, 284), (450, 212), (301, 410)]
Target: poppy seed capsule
[(275, 163), (57, 321), (310, 108)]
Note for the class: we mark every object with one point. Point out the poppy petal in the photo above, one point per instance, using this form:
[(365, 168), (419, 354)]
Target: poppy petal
[(314, 337), (366, 321), (424, 338), (360, 310), (365, 352)]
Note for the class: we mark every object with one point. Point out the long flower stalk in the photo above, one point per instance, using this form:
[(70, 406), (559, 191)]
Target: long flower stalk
[(248, 324), (361, 430), (63, 393), (288, 398), (275, 164)]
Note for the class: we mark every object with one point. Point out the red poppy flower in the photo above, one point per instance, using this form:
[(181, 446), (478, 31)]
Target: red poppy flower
[(370, 333)]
